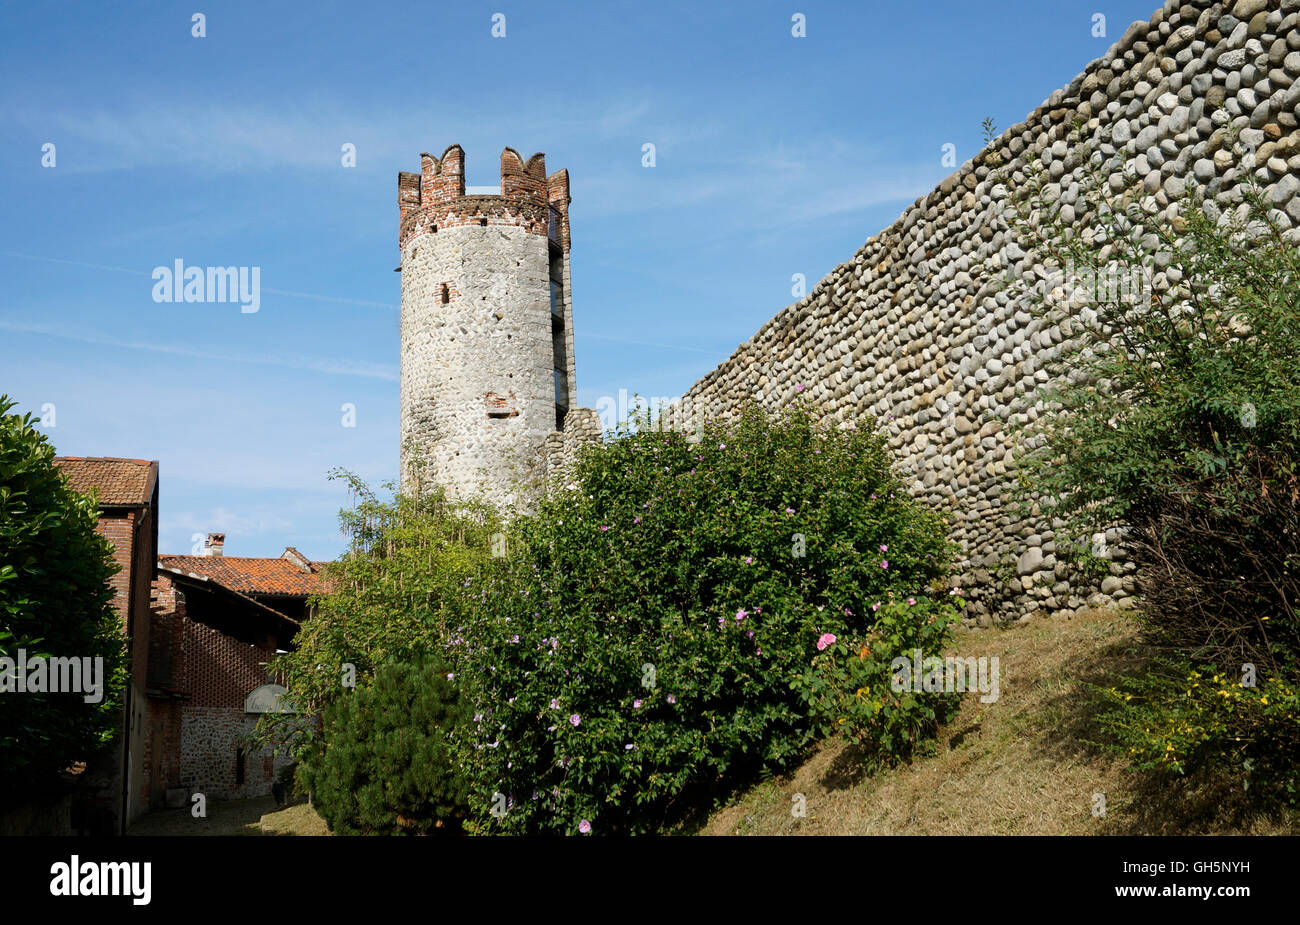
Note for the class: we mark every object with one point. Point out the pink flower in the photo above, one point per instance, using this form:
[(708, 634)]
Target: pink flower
[(749, 560), (826, 639), (672, 698), (741, 614), (789, 510), (884, 563), (875, 606), (603, 528), (584, 827), (911, 602), (799, 387), (847, 612), (636, 704), (575, 719), (555, 703), (884, 549), (636, 520), (629, 746)]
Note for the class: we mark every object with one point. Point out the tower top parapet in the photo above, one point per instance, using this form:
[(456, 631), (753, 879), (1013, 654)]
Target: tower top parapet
[(435, 197)]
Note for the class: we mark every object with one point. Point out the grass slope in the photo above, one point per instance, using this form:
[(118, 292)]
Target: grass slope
[(1022, 765)]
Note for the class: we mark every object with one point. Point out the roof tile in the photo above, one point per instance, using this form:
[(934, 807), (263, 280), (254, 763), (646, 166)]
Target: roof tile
[(118, 482)]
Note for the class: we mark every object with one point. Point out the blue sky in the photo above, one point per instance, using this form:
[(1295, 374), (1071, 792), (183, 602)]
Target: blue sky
[(775, 155)]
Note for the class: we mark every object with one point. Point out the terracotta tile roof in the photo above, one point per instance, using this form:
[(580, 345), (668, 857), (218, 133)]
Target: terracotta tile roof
[(278, 577), (118, 482)]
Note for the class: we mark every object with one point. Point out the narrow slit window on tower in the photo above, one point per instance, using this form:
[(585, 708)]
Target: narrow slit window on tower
[(444, 294), (483, 222)]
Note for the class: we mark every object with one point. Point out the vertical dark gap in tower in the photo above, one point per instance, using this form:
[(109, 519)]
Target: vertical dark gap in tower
[(560, 354)]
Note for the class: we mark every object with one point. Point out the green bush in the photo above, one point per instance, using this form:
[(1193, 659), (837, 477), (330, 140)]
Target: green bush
[(641, 647), (55, 600), (850, 687), (386, 766), (1176, 719)]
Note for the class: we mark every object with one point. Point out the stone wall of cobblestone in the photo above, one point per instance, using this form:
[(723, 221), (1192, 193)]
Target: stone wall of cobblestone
[(907, 333)]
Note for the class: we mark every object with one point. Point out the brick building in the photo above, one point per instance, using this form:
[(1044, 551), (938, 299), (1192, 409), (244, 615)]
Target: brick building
[(127, 492), (217, 622), (202, 630)]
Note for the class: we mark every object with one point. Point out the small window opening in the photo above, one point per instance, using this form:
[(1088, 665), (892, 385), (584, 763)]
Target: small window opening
[(445, 295), (483, 222)]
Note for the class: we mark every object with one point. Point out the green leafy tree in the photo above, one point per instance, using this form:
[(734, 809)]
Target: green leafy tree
[(387, 599), (55, 601)]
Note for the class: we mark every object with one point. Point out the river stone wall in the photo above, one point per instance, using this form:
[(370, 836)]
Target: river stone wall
[(905, 333)]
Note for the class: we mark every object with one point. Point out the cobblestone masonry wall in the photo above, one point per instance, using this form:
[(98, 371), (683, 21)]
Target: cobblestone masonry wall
[(904, 334), (479, 344)]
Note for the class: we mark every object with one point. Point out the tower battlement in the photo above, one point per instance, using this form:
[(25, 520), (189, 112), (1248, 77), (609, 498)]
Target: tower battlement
[(487, 324), (435, 197)]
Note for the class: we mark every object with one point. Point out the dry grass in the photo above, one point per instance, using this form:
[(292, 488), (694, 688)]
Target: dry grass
[(1019, 766), (298, 819), (257, 816)]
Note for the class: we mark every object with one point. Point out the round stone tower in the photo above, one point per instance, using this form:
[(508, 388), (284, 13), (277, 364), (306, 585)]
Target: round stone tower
[(487, 325)]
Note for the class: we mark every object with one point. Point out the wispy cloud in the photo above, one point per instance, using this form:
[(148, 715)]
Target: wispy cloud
[(133, 272), (330, 366)]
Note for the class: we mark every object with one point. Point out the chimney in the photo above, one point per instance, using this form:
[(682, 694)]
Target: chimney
[(213, 545), (297, 559)]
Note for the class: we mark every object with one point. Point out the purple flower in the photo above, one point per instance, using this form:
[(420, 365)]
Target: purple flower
[(799, 387), (884, 563), (636, 704), (749, 634), (847, 612), (826, 639), (672, 698), (741, 614), (636, 520), (749, 560), (911, 602), (574, 718), (555, 703), (629, 746), (603, 528), (789, 510), (883, 548), (584, 827)]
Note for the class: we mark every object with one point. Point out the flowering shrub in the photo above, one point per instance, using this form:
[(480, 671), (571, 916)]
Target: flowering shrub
[(849, 685), (642, 647), (1178, 719)]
